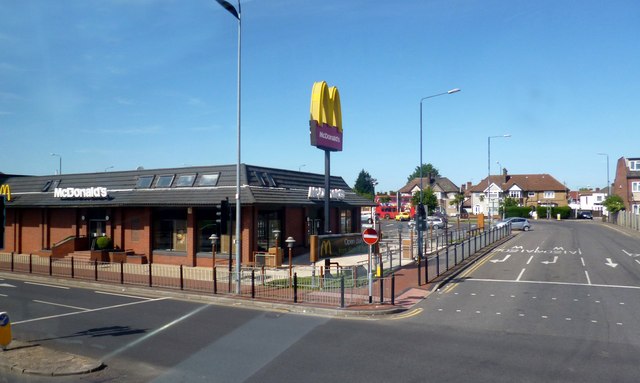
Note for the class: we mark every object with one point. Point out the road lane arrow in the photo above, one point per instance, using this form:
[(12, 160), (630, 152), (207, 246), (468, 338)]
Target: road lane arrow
[(610, 263), (631, 254), (555, 259), (500, 260)]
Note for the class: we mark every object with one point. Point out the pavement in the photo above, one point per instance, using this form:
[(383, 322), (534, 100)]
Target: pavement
[(32, 358)]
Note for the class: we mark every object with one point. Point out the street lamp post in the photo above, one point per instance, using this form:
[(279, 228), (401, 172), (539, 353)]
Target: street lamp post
[(59, 162), (236, 12), (290, 242), (489, 174), (419, 225)]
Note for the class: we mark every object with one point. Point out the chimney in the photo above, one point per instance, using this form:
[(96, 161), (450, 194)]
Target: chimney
[(505, 175)]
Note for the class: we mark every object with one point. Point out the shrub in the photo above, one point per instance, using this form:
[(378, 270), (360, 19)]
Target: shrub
[(517, 211), (564, 211), (103, 243)]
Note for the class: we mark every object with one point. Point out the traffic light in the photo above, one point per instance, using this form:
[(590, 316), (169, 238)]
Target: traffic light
[(222, 216), (421, 223)]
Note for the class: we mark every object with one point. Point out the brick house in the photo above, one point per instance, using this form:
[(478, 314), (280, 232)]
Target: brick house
[(444, 189), (627, 183), (526, 189)]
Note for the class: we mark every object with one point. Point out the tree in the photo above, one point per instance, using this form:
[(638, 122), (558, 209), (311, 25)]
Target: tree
[(386, 198), (365, 185), (429, 200), (613, 203), (426, 170), (457, 201)]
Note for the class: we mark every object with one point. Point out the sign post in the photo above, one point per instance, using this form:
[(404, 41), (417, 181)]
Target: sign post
[(370, 237)]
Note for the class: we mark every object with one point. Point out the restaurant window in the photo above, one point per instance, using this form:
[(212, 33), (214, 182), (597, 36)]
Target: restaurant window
[(208, 179), (144, 182), (170, 230), (206, 226), (268, 222), (185, 180), (164, 181), (345, 221)]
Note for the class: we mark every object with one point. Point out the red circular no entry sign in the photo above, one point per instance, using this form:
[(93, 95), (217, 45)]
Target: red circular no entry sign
[(370, 236)]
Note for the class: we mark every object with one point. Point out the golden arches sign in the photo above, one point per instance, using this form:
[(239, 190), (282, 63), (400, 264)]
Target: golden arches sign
[(325, 248), (5, 190), (326, 117)]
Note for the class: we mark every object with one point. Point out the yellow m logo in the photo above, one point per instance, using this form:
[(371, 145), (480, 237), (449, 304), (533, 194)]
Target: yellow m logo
[(325, 248), (6, 191), (326, 117)]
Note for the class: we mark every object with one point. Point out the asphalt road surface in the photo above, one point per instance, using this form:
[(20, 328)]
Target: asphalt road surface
[(558, 303)]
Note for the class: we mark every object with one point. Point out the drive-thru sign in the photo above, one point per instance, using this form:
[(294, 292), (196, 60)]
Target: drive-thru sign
[(370, 236)]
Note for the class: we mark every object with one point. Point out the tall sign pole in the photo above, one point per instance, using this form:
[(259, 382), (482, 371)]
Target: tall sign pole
[(370, 237), (325, 127)]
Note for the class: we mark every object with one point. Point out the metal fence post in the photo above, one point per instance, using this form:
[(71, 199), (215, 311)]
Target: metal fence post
[(253, 283), (181, 278), (72, 268), (295, 287), (419, 270), (30, 263), (12, 261), (50, 266), (437, 265), (393, 288), (95, 269), (122, 272), (342, 291), (150, 276), (215, 280), (463, 250)]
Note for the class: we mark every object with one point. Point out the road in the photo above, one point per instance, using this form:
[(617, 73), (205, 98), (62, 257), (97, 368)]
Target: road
[(558, 303)]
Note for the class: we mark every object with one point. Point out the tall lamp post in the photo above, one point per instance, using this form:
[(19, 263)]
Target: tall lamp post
[(419, 225), (489, 174), (236, 12), (59, 162)]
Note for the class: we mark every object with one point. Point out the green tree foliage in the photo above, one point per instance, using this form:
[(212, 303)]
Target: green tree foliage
[(429, 200), (426, 169), (386, 198), (613, 203), (457, 201), (364, 185)]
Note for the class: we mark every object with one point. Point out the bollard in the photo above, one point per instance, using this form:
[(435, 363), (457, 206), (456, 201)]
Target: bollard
[(30, 263), (95, 269), (181, 278), (50, 266), (150, 276), (419, 271), (381, 290), (5, 330), (72, 268), (122, 272), (295, 287)]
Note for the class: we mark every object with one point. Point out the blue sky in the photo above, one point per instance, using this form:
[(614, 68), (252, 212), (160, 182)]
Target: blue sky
[(117, 84)]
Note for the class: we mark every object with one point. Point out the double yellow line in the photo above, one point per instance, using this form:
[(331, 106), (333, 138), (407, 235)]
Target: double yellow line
[(467, 272)]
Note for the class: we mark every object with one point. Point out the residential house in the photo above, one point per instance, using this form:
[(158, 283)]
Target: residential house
[(527, 189), (444, 189), (627, 183)]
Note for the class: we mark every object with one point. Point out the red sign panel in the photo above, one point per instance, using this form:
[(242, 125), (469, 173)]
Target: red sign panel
[(370, 236)]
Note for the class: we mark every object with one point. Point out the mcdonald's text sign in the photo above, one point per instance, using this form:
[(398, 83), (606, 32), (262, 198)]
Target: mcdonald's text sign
[(326, 117)]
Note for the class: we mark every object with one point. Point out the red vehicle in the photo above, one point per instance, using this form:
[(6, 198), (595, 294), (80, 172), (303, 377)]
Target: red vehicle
[(389, 211)]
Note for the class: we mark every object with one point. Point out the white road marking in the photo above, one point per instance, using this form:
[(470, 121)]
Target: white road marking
[(121, 295), (610, 263), (500, 260), (551, 283), (530, 259), (6, 285), (89, 311), (61, 305), (520, 275), (555, 259), (582, 260), (3, 295), (46, 285), (587, 275)]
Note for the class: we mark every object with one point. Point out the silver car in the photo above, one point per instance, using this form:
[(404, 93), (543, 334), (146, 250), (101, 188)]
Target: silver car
[(517, 223)]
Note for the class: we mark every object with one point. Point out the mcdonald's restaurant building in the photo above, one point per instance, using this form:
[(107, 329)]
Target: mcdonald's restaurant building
[(168, 215)]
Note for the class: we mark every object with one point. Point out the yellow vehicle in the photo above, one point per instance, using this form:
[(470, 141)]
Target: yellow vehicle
[(403, 216)]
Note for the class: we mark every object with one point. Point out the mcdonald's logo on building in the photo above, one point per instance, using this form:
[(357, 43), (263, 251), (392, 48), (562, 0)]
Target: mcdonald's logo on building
[(325, 248), (326, 117), (5, 190)]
